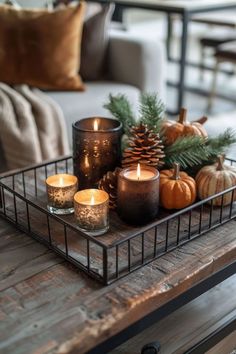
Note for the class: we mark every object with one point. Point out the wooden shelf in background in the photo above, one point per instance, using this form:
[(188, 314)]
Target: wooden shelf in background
[(187, 326)]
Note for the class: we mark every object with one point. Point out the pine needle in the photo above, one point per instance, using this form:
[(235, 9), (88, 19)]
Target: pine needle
[(151, 111), (120, 108)]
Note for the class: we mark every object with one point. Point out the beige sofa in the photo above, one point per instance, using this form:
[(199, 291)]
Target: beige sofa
[(135, 65)]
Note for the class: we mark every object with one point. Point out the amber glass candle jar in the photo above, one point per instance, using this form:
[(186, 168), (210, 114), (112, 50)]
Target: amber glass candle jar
[(61, 189), (138, 194), (92, 211), (96, 149)]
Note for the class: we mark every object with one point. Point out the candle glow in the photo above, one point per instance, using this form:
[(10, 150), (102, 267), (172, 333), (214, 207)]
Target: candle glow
[(92, 201), (95, 126), (138, 171), (61, 182), (86, 161), (138, 174)]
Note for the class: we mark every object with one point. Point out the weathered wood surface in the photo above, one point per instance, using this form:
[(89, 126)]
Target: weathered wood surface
[(47, 306), (191, 323)]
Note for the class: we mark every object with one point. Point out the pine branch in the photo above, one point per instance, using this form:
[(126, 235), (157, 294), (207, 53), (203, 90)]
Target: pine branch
[(187, 151), (151, 111), (192, 152), (195, 152), (221, 143), (120, 108)]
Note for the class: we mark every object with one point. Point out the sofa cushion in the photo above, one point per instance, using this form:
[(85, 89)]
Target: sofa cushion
[(95, 39), (41, 48), (77, 105), (94, 43)]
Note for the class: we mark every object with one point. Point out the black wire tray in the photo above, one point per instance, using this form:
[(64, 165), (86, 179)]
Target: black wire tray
[(123, 249)]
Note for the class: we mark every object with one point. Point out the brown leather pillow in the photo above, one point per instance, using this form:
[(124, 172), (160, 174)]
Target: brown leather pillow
[(94, 43), (41, 48)]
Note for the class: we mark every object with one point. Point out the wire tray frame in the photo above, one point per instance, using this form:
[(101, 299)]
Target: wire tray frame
[(123, 249)]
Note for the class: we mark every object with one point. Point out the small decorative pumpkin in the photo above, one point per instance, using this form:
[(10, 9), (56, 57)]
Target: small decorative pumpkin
[(214, 179), (173, 130), (177, 189)]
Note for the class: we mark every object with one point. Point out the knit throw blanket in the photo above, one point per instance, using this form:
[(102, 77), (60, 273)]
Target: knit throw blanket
[(32, 127)]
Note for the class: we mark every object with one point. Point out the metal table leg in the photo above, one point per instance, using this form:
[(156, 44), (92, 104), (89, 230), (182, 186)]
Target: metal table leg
[(118, 13), (185, 19), (169, 35)]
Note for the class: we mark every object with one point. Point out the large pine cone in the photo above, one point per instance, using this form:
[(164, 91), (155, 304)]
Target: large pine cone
[(108, 183), (145, 147)]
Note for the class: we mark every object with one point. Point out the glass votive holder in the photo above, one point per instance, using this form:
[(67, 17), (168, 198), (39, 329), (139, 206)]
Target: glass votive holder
[(91, 211), (61, 189)]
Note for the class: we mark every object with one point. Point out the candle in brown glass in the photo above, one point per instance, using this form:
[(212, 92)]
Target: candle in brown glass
[(96, 149), (138, 194)]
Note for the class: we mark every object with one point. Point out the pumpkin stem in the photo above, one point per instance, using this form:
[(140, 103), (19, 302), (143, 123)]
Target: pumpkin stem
[(201, 120), (220, 161), (176, 167), (182, 116)]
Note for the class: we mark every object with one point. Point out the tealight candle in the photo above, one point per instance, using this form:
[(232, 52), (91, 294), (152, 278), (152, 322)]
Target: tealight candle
[(91, 211), (138, 194), (61, 189)]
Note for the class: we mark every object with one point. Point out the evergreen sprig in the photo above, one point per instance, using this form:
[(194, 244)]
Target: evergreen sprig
[(187, 151), (221, 143), (120, 108), (151, 111), (192, 152)]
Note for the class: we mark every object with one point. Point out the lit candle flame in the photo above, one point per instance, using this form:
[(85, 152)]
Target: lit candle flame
[(138, 171), (95, 126), (61, 182), (92, 201), (86, 161)]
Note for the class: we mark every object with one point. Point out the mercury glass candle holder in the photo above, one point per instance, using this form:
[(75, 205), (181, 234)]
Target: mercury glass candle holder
[(61, 189), (91, 211), (96, 149), (138, 194)]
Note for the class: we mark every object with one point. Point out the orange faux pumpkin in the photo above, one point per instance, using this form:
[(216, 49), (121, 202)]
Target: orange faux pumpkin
[(173, 130), (177, 189)]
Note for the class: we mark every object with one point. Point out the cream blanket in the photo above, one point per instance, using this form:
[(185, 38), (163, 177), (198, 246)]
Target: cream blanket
[(32, 127)]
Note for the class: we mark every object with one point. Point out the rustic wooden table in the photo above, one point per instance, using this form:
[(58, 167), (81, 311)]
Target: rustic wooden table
[(47, 306)]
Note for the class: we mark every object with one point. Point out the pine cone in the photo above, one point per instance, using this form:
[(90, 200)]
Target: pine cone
[(145, 147), (108, 183)]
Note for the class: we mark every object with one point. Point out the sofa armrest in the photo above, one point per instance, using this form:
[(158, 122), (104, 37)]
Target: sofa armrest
[(137, 61)]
